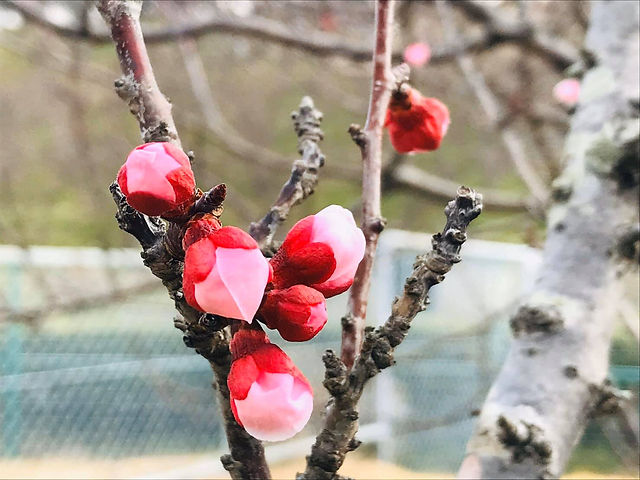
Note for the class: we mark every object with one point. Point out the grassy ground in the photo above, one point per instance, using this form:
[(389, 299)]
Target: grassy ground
[(203, 466)]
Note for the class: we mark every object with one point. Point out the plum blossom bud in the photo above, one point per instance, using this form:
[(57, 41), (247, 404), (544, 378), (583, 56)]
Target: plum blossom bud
[(321, 251), (157, 180), (298, 312), (270, 397), (416, 123), (417, 54), (225, 273), (567, 91)]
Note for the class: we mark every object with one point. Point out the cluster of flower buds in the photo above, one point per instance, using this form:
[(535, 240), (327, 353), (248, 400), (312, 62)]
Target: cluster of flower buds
[(415, 123), (226, 274)]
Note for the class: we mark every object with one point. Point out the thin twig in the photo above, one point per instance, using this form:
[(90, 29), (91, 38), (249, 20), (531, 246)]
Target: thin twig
[(304, 174), (341, 421), (369, 140)]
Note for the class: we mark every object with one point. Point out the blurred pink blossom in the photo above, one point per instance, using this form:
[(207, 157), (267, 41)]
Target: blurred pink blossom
[(417, 54), (567, 91)]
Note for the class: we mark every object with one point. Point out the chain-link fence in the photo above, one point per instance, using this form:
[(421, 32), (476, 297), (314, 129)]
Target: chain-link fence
[(91, 366)]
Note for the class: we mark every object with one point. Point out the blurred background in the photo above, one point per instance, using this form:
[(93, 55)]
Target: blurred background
[(94, 379)]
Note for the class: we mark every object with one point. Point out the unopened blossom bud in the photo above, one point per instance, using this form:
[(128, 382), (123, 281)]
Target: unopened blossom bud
[(225, 273), (416, 123), (567, 91), (321, 251), (417, 54), (270, 397), (298, 312), (157, 180)]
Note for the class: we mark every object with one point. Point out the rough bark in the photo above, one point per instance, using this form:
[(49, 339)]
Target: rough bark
[(341, 419), (304, 175), (369, 140), (161, 243), (554, 378)]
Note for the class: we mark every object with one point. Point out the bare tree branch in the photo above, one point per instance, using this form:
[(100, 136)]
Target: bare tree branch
[(206, 333), (369, 140), (341, 420), (304, 174), (554, 378), (138, 86), (559, 53)]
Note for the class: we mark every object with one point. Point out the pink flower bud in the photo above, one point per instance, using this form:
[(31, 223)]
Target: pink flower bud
[(157, 180), (298, 312), (417, 54), (321, 251), (270, 397), (225, 274), (567, 91)]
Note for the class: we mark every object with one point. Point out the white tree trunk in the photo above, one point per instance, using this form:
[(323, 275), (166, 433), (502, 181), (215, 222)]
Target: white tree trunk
[(554, 378)]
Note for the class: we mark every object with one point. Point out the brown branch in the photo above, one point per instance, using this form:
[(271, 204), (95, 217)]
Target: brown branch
[(204, 332), (369, 140), (304, 174), (138, 86), (559, 53), (341, 421)]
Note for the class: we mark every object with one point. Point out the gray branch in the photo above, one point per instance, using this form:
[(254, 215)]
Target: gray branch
[(554, 378)]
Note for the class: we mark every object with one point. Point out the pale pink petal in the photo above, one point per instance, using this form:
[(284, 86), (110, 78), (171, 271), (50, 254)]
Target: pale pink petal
[(336, 227), (213, 296), (417, 54), (245, 273), (317, 314), (567, 91), (147, 172), (276, 408)]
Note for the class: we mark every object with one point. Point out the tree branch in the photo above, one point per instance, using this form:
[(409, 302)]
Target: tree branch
[(559, 53), (138, 86), (204, 332), (304, 174), (341, 420), (554, 377), (369, 140)]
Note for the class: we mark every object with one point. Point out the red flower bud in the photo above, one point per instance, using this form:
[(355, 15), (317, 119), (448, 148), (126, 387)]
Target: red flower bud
[(416, 123), (224, 272), (270, 397), (298, 312), (321, 251), (157, 180)]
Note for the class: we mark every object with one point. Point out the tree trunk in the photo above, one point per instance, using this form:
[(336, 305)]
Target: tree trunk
[(554, 378)]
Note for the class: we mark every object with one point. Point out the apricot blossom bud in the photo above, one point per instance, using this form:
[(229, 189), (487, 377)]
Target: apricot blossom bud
[(298, 312), (157, 180), (417, 54), (321, 251), (224, 273), (416, 123), (567, 91), (270, 397)]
